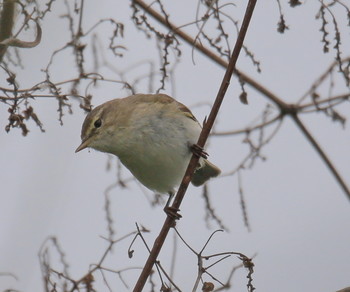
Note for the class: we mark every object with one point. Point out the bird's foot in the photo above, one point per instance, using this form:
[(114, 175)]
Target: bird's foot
[(172, 212), (199, 151)]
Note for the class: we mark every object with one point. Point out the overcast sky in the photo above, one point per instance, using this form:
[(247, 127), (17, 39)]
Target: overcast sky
[(299, 215)]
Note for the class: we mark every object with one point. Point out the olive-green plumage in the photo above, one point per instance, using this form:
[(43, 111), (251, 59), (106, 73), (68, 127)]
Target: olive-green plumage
[(152, 135)]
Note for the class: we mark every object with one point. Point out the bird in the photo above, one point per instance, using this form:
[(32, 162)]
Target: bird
[(153, 135)]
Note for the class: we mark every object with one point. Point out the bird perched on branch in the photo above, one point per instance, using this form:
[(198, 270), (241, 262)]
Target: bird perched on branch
[(153, 135)]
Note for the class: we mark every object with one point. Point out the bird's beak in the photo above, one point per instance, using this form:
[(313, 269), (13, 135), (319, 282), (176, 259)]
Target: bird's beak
[(84, 144)]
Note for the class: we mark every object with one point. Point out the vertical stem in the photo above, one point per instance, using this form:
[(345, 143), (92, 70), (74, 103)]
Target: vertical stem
[(7, 15)]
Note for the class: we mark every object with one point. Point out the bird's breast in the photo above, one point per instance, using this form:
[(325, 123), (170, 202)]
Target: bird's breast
[(157, 151)]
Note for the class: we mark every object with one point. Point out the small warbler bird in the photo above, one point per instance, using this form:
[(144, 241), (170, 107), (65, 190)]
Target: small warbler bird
[(152, 135)]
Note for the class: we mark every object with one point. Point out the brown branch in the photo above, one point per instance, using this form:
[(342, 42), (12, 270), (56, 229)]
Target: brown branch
[(169, 222), (285, 108), (315, 105)]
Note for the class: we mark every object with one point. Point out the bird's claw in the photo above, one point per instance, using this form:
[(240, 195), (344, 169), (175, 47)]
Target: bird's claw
[(172, 212), (199, 151)]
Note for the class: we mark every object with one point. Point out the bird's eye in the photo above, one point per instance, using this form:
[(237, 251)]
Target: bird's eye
[(98, 123)]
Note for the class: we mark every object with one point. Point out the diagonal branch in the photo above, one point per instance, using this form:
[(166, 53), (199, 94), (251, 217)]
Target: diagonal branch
[(319, 150), (169, 222), (198, 45), (285, 108)]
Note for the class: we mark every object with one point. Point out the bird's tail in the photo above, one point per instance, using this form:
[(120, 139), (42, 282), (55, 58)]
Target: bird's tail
[(204, 173)]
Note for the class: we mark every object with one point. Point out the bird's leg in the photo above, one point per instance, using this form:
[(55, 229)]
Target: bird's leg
[(171, 211), (171, 196), (198, 151)]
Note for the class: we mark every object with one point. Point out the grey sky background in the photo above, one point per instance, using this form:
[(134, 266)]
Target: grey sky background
[(299, 216)]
